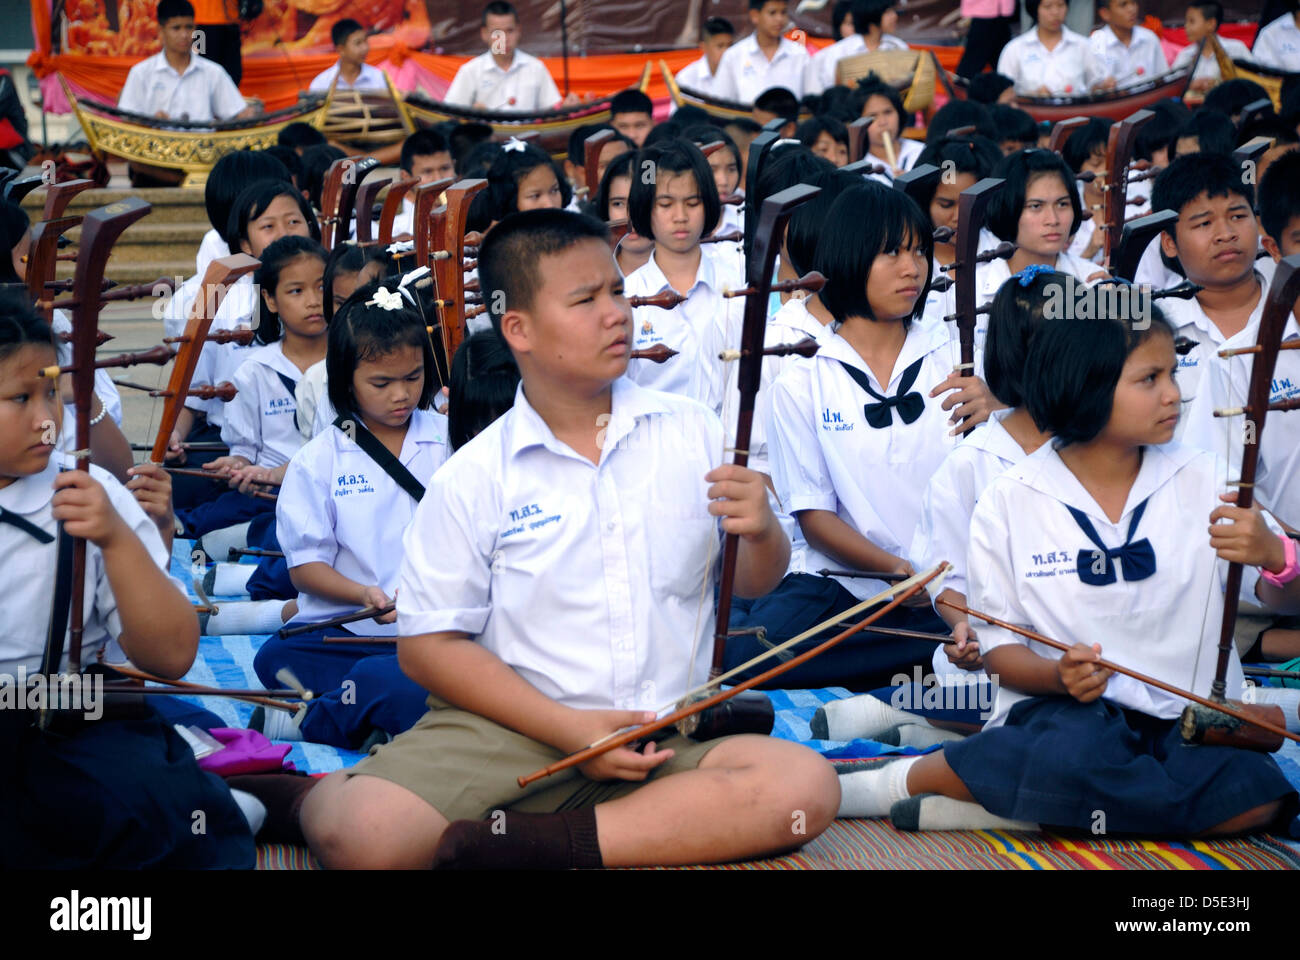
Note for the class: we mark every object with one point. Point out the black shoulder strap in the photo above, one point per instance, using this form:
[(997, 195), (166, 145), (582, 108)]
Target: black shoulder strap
[(53, 660), (292, 387), (379, 453)]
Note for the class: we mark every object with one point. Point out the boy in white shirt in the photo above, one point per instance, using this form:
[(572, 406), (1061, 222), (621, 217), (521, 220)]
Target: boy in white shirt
[(549, 597), (1050, 60), (764, 59), (1129, 53), (1278, 44), (352, 71), (504, 78), (699, 76), (1203, 19)]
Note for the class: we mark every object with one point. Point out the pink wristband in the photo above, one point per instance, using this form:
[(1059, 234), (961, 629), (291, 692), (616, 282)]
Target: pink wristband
[(1288, 572)]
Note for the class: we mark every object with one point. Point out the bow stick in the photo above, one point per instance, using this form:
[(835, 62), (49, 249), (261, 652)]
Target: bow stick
[(100, 230), (218, 279), (1119, 154), (1221, 706), (365, 206), (900, 593), (1282, 295), (365, 613), (195, 689)]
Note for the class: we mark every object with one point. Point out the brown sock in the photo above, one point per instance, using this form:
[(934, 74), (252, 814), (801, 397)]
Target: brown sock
[(282, 795), (521, 841)]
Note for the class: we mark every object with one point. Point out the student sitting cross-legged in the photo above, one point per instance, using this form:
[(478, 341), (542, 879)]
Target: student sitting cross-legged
[(549, 596)]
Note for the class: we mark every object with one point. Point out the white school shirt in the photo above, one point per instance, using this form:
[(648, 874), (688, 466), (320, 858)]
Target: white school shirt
[(585, 579), (105, 388), (1224, 384), (1189, 320), (204, 92), (1278, 44), (29, 570), (1208, 66), (699, 329), (370, 78), (404, 219), (218, 362), (1022, 567), (312, 388), (825, 456), (819, 74), (1151, 269), (338, 507), (907, 151), (526, 87), (211, 247), (1138, 61), (696, 76), (260, 420), (744, 71), (1070, 69)]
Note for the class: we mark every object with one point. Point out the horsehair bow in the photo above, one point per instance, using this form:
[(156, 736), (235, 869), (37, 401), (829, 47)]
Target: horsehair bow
[(1119, 154), (450, 270), (1218, 706), (773, 217), (899, 593), (1282, 295), (99, 231), (217, 281), (364, 208)]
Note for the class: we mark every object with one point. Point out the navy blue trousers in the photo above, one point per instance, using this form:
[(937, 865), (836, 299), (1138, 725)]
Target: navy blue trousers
[(1063, 763), (228, 509), (357, 688), (189, 492), (119, 793), (270, 581), (863, 662)]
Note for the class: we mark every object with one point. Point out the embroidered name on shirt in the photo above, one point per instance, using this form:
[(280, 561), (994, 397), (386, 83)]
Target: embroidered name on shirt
[(1049, 564), (280, 405), (347, 484), (833, 420)]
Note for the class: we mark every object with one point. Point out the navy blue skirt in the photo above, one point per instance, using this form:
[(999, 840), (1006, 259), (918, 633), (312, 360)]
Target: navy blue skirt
[(1096, 766)]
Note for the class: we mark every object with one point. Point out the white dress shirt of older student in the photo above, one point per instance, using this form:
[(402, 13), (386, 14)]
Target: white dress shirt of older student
[(1022, 564), (1135, 62), (1207, 67), (1069, 69), (696, 76), (744, 71), (525, 86), (340, 508), (826, 456), (1278, 44), (202, 93), (699, 329), (30, 570), (260, 422), (819, 75), (370, 78), (1224, 384), (585, 579)]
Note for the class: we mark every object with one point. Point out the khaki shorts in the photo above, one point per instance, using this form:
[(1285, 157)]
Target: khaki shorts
[(465, 766), (1253, 620)]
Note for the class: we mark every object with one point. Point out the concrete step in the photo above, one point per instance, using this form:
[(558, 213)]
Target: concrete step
[(151, 242), (140, 271), (170, 204)]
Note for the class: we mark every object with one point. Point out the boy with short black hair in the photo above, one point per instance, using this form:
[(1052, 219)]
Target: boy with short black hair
[(699, 76), (1129, 52), (575, 161), (764, 59), (565, 533), (1203, 19), (353, 73), (426, 156), (300, 136), (504, 78), (631, 113), (869, 35), (1225, 383), (774, 103)]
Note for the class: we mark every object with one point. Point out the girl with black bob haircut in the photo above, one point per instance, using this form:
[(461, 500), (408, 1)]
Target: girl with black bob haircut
[(611, 205), (524, 177), (672, 158), (876, 99), (275, 258), (484, 379), (231, 176), (1085, 152), (253, 204), (1019, 170), (826, 137), (969, 159)]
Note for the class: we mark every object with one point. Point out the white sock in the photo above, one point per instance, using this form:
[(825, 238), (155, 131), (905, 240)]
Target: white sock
[(863, 717), (253, 809), (241, 617), (871, 792), (1288, 698), (922, 735), (931, 811), (217, 544), (231, 579)]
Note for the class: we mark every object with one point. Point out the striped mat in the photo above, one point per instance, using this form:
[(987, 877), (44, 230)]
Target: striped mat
[(876, 845)]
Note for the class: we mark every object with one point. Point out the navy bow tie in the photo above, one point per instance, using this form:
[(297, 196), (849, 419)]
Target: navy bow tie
[(880, 415), (1097, 567), (25, 526)]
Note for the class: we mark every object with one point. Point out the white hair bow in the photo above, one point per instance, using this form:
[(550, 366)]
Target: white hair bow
[(386, 299), (514, 144)]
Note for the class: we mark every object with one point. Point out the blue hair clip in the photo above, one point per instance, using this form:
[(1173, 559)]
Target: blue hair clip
[(1027, 275)]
